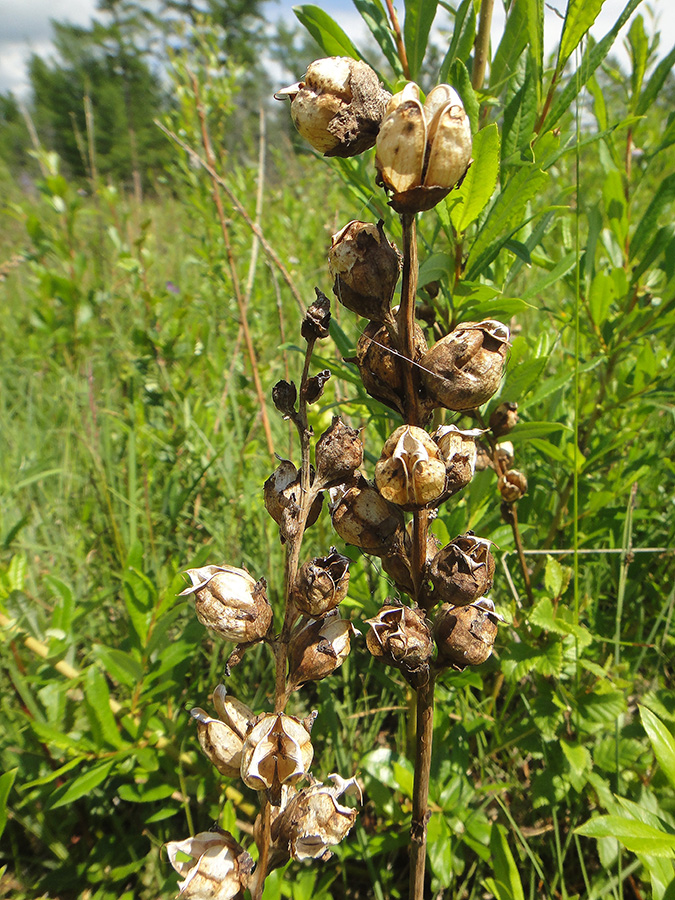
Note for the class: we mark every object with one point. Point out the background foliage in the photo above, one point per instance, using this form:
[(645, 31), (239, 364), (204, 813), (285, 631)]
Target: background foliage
[(135, 445)]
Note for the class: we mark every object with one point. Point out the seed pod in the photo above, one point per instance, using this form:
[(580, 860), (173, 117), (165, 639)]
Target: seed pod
[(361, 516), (400, 636), (505, 454), (512, 485), (313, 820), (322, 584), (282, 498), (465, 635), (411, 469), (381, 368), (483, 458), (463, 570), (222, 739), (459, 450), (284, 395), (365, 267), (338, 453), (318, 647), (397, 563), (317, 318), (423, 151), (218, 868), (338, 107), (277, 751), (230, 602), (463, 369), (315, 385), (503, 418)]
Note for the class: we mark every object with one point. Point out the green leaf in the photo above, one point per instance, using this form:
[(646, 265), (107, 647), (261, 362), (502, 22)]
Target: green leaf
[(463, 36), (6, 782), (419, 17), (97, 699), (439, 842), (579, 17), (506, 884), (655, 83), (435, 267), (121, 666), (519, 117), (661, 203), (561, 268), (325, 31), (662, 742), (577, 756), (480, 180), (83, 784), (635, 836), (553, 576), (638, 43), (461, 80), (145, 793), (514, 40), (375, 17)]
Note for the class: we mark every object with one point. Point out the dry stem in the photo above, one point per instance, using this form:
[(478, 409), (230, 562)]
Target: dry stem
[(420, 812)]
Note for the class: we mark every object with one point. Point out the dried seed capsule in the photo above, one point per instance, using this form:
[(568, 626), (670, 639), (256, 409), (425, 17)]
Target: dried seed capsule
[(282, 498), (463, 570), (411, 469), (400, 636), (463, 369), (423, 151), (465, 635), (317, 318), (230, 602), (217, 868), (504, 418), (361, 516), (365, 267), (222, 739), (284, 395), (483, 458), (322, 584), (277, 751), (459, 450), (318, 647), (512, 485), (338, 453), (397, 563), (315, 385), (338, 107), (313, 820)]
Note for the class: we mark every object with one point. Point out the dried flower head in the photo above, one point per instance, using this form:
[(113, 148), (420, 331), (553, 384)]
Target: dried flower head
[(361, 516), (222, 739), (503, 418), (230, 602), (216, 868), (318, 647), (459, 451), (512, 485), (282, 492), (338, 453), (400, 636)]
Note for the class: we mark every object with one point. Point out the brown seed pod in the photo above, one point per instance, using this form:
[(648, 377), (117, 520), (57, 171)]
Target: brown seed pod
[(465, 635), (397, 563), (365, 267), (503, 418), (463, 570), (322, 584), (361, 516), (400, 636), (411, 470), (464, 369), (217, 867), (512, 485), (338, 453), (318, 647), (459, 451), (317, 318), (230, 602), (282, 497), (338, 106)]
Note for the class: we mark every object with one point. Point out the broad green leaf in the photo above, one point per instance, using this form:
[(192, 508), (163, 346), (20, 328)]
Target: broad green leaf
[(461, 80), (419, 17), (519, 117), (553, 576), (463, 36), (16, 572), (635, 836), (506, 884), (375, 17), (325, 31), (145, 793), (577, 756), (6, 782), (661, 203), (121, 666), (480, 180), (97, 698), (435, 268), (439, 842), (662, 742), (82, 785), (655, 83), (64, 611), (525, 431), (579, 17)]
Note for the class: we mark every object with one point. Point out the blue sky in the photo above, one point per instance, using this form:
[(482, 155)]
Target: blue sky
[(25, 25)]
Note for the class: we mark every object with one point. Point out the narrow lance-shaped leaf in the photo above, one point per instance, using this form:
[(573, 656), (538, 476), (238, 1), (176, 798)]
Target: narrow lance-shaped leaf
[(513, 42), (579, 17), (662, 742), (639, 51), (506, 884), (655, 83), (419, 17), (326, 31), (661, 201), (463, 36), (373, 14), (480, 180)]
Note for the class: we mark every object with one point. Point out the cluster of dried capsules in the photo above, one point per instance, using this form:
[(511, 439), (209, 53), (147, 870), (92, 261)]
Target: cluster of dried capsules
[(422, 152)]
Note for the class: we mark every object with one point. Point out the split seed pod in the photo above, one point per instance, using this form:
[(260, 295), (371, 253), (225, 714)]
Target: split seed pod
[(365, 267), (361, 516), (397, 563), (313, 820), (504, 418), (277, 751), (282, 498), (464, 369), (423, 151), (459, 451), (400, 636), (463, 570), (222, 739), (322, 584), (338, 453), (318, 647), (217, 868), (512, 485), (230, 602), (338, 106), (411, 469), (465, 635)]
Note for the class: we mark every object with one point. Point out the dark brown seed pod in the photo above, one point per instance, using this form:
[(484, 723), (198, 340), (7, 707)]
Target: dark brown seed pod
[(361, 516), (315, 385), (512, 485), (465, 635), (318, 647), (284, 395), (464, 369), (365, 267), (338, 453), (463, 570), (381, 368), (317, 318), (322, 584), (400, 636), (503, 418), (397, 563)]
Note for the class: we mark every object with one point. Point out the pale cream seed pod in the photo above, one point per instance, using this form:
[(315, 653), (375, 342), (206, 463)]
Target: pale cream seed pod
[(230, 602), (411, 469), (218, 868), (459, 450), (277, 751)]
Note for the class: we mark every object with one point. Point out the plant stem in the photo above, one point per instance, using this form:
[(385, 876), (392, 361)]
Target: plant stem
[(398, 37), (420, 813), (406, 316), (482, 45)]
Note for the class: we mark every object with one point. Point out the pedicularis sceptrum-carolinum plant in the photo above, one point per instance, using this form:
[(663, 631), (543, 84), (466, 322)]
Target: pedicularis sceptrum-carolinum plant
[(423, 151)]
